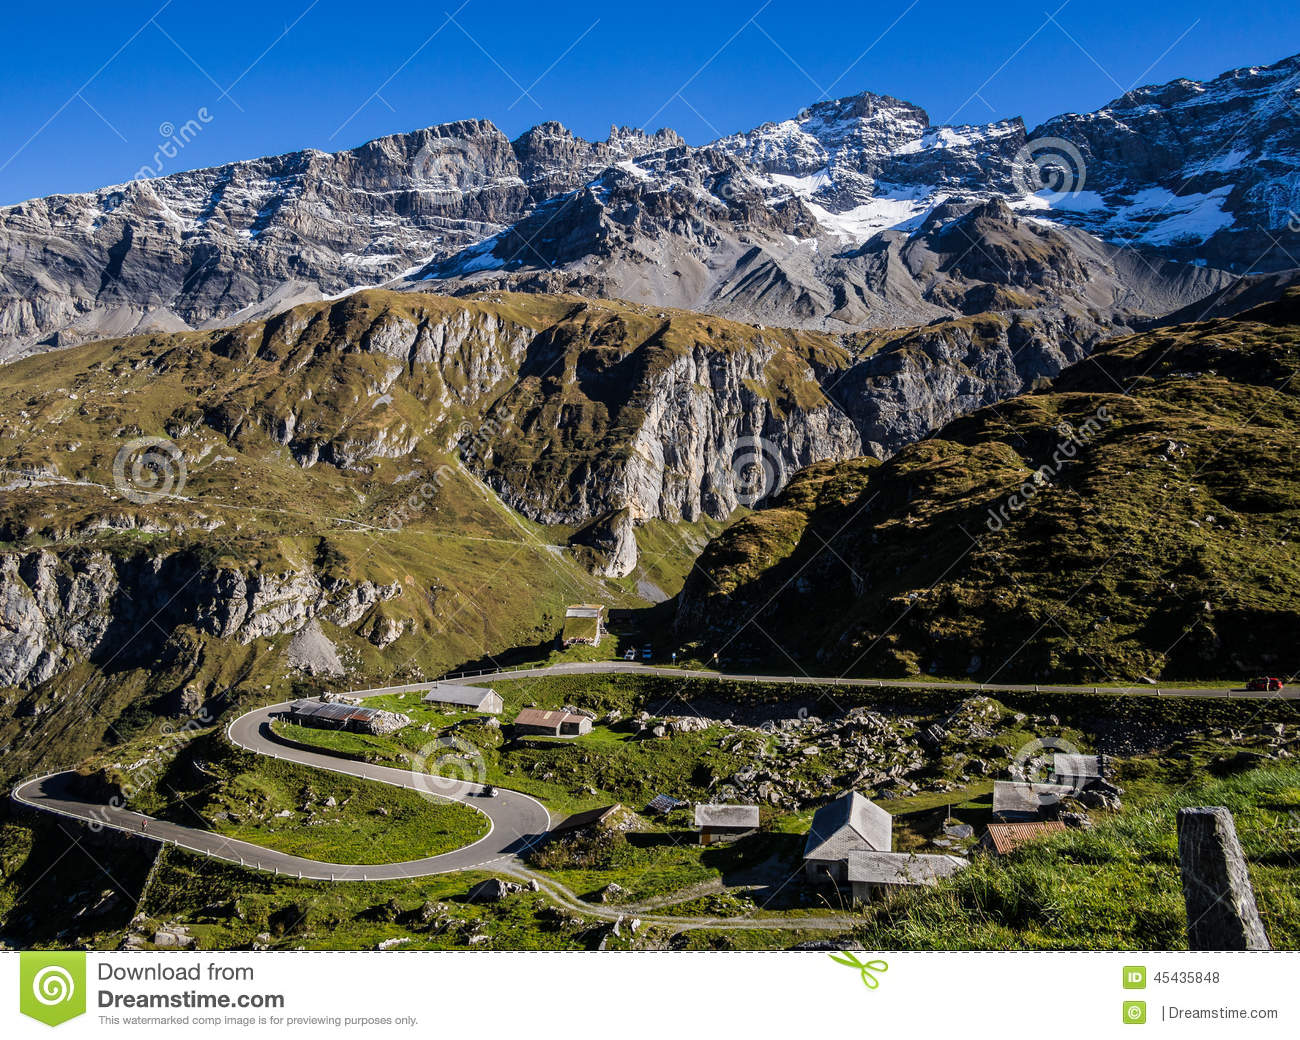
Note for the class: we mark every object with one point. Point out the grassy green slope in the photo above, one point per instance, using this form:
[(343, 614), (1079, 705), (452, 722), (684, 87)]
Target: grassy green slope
[(387, 501), (1152, 532), (1115, 887)]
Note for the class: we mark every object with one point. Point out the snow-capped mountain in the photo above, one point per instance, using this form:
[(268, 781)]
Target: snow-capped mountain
[(1199, 171), (1195, 171), (879, 154), (857, 213)]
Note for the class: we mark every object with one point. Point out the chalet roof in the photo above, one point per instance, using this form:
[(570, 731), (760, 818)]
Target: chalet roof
[(332, 711), (847, 823), (584, 610), (1012, 797), (585, 818), (454, 693), (901, 868), (1076, 768), (726, 816), (1007, 837), (547, 719)]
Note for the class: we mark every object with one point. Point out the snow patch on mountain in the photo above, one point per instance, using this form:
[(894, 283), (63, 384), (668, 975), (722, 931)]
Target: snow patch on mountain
[(860, 223), (1153, 216), (1171, 218)]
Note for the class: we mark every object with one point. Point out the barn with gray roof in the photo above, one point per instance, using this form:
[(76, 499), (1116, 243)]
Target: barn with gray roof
[(472, 698), (875, 873), (725, 822)]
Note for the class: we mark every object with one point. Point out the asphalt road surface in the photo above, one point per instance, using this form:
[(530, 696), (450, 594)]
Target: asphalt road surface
[(629, 667), (517, 820)]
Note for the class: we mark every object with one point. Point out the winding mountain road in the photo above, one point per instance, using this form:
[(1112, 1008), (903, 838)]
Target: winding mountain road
[(517, 820)]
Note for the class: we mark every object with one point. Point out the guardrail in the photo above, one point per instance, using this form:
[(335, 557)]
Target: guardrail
[(600, 667)]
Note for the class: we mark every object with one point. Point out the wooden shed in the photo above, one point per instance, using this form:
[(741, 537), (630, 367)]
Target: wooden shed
[(1076, 771), (586, 818), (718, 823), (1014, 801), (551, 723), (583, 623)]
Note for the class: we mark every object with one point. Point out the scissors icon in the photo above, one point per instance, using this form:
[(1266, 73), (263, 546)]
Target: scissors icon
[(868, 979)]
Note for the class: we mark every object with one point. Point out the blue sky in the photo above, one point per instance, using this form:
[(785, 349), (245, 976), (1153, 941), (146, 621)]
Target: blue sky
[(89, 88)]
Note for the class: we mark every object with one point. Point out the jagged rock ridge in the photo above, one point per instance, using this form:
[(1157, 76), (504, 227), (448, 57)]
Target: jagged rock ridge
[(798, 222)]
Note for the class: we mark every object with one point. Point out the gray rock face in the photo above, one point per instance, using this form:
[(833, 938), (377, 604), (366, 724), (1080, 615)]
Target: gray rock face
[(56, 609), (769, 225), (709, 442), (938, 373), (613, 541), (250, 237), (48, 614)]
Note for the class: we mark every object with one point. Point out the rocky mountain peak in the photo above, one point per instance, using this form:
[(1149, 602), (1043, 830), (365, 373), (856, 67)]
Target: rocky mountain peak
[(636, 142), (760, 225), (1250, 80), (1200, 171), (857, 131)]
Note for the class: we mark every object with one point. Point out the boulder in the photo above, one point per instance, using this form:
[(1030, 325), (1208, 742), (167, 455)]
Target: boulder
[(933, 736), (493, 890)]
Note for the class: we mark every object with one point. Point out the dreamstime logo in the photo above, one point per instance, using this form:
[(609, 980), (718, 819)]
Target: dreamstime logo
[(1293, 222), (52, 986), (418, 500), (1072, 439), (475, 441), (443, 766), (1036, 763), (449, 604), (1049, 164), (445, 166), (149, 468), (756, 470)]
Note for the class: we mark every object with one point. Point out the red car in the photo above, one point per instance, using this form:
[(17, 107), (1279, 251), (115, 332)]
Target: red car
[(1264, 682)]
